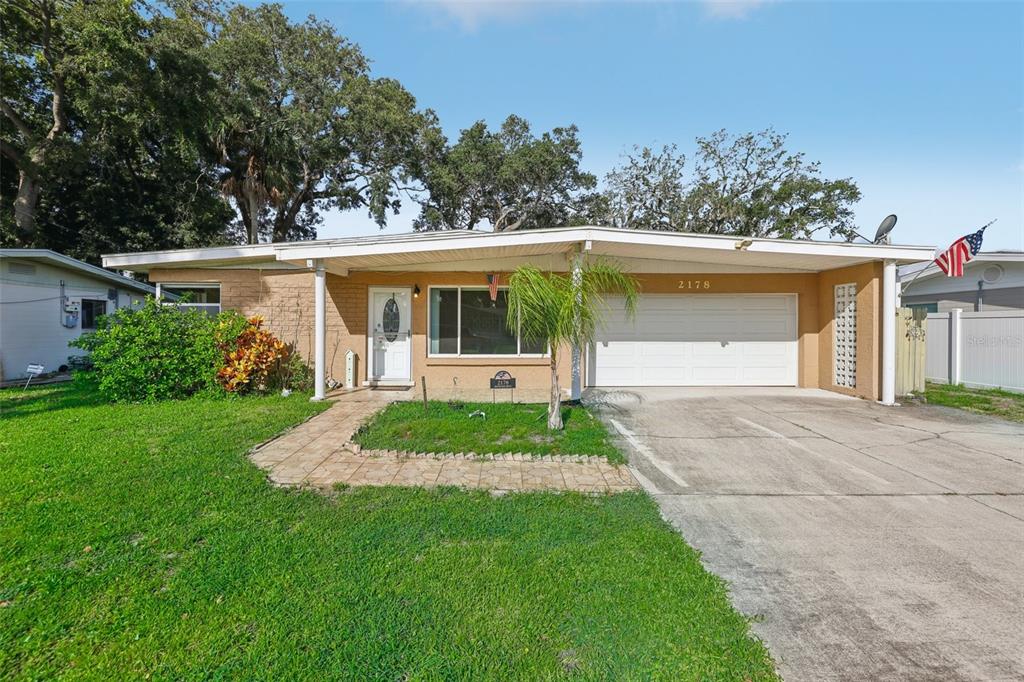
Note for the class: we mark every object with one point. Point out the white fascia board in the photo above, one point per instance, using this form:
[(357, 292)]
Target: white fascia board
[(135, 261), (426, 244), (60, 260), (780, 246), (582, 235)]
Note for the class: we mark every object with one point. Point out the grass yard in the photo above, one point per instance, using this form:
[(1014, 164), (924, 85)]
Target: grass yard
[(507, 427), (137, 541), (992, 402)]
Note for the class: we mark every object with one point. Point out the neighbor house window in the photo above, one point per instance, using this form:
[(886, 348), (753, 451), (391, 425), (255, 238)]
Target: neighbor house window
[(927, 307), (205, 297), (91, 310), (465, 321)]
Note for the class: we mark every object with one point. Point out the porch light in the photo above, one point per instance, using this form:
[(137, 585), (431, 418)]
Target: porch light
[(416, 291)]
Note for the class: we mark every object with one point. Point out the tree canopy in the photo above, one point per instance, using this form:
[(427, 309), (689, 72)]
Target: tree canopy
[(135, 125), (509, 179), (302, 127), (747, 185)]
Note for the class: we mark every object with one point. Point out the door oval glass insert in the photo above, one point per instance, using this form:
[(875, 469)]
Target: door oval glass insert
[(392, 318)]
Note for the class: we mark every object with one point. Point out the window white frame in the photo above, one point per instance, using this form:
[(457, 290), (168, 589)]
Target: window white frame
[(458, 339), (170, 287)]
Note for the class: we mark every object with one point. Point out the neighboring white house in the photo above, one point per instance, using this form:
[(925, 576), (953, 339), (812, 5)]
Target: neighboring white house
[(992, 281), (47, 299)]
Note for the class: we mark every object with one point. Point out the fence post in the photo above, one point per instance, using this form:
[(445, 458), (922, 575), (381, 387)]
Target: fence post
[(956, 354)]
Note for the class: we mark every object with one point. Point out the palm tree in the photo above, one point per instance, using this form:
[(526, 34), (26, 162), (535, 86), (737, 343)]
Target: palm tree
[(565, 310)]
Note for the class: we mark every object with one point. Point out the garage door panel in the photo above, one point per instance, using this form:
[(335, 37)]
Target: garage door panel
[(708, 339)]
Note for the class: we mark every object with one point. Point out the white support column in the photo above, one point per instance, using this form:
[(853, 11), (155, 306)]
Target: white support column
[(956, 347), (159, 292), (889, 333), (319, 330), (577, 378)]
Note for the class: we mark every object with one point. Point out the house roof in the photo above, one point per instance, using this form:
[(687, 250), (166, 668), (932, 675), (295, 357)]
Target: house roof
[(926, 270), (465, 246), (62, 261)]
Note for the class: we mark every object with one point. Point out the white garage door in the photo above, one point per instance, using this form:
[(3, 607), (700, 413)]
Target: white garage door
[(702, 340)]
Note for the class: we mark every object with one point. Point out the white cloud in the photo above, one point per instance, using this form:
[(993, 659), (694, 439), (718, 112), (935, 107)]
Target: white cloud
[(731, 9), (470, 14)]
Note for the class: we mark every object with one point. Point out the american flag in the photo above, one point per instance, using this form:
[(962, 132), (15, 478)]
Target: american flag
[(492, 285), (951, 261)]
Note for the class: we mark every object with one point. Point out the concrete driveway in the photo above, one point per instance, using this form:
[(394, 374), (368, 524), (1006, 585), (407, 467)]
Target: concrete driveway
[(870, 542)]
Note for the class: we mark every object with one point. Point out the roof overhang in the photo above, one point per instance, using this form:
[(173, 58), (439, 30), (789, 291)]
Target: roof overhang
[(432, 249), (60, 260)]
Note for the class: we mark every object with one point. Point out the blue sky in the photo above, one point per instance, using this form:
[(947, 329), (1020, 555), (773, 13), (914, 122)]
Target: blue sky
[(921, 103)]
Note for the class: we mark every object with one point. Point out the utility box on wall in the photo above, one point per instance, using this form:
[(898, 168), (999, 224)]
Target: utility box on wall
[(350, 369)]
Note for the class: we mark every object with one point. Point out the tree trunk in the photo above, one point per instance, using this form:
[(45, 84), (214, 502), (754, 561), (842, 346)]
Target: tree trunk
[(555, 405), (25, 207), (253, 209)]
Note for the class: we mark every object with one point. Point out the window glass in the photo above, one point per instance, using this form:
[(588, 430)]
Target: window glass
[(91, 310), (470, 313), (444, 321), (194, 294), (484, 328), (204, 298), (533, 347)]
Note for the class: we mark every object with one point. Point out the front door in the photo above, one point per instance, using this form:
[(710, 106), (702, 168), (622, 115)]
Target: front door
[(391, 338)]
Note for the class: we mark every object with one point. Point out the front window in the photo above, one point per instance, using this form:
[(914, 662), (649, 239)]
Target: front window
[(465, 321), (204, 297), (91, 311)]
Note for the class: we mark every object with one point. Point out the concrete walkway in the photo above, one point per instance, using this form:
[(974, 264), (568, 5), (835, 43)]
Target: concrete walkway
[(873, 543), (320, 453)]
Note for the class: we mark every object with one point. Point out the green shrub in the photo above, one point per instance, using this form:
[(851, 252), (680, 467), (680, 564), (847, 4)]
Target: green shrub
[(152, 353)]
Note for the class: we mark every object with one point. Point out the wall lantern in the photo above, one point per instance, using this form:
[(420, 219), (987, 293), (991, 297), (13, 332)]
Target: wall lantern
[(416, 291)]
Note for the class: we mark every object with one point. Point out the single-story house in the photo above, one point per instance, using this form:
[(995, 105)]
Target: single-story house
[(714, 310), (47, 299), (992, 281)]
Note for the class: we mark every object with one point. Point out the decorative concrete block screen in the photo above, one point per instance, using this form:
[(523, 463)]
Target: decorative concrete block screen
[(984, 350)]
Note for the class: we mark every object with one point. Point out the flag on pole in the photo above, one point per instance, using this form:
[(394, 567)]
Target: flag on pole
[(952, 260), (492, 285)]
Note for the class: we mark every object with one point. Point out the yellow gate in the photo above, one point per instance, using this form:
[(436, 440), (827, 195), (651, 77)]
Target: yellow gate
[(910, 344)]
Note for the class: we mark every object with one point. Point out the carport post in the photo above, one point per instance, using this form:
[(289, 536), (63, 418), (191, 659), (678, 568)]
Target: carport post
[(576, 389), (319, 329), (889, 333)]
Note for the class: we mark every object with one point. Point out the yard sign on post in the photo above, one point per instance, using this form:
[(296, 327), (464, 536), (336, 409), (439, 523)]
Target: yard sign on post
[(33, 371), (502, 380)]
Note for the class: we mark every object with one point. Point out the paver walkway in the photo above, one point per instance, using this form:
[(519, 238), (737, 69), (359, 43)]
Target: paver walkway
[(320, 453)]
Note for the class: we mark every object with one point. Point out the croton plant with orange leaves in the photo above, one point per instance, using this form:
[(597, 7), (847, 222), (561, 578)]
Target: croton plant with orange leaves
[(249, 357)]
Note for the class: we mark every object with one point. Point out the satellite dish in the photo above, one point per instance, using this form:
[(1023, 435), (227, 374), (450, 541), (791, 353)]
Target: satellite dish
[(882, 233)]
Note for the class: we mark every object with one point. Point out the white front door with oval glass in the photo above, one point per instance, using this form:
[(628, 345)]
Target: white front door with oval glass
[(390, 342)]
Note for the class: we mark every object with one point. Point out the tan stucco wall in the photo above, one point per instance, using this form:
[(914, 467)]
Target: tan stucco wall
[(285, 299), (868, 278)]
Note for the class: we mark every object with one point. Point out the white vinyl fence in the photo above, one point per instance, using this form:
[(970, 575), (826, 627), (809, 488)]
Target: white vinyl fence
[(983, 350)]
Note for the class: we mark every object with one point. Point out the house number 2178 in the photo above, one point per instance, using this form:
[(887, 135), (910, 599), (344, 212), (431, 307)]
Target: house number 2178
[(694, 284)]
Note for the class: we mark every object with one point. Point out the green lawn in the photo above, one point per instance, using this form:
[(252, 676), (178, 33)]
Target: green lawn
[(984, 401), (138, 541), (506, 427)]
